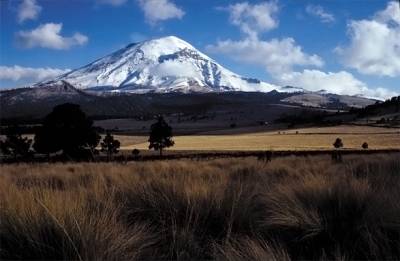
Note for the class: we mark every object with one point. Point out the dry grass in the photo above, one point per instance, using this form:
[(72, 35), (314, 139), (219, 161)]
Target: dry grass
[(227, 209), (305, 139)]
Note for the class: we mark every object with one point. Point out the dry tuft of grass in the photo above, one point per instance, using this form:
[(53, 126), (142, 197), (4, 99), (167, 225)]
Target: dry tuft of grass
[(223, 209)]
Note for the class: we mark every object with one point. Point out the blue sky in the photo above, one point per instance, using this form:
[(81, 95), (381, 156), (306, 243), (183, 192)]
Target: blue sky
[(343, 46)]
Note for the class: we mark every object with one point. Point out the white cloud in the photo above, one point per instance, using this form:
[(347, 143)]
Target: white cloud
[(318, 11), (28, 10), (160, 10), (280, 57), (16, 73), (391, 13), (112, 2), (253, 19), (375, 44), (276, 56), (48, 36), (342, 82)]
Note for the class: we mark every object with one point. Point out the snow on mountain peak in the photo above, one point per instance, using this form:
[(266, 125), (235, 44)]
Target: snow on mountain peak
[(160, 65)]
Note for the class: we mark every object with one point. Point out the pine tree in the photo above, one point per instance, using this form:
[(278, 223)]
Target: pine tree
[(160, 135)]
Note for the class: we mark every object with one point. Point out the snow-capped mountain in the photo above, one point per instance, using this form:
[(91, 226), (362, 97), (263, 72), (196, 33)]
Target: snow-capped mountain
[(164, 65), (161, 65)]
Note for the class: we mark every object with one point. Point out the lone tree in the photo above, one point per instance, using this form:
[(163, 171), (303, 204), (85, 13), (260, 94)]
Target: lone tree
[(15, 145), (67, 129), (160, 135), (364, 145), (110, 145)]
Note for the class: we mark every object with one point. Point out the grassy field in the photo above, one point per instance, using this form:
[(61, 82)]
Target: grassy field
[(295, 139), (226, 209)]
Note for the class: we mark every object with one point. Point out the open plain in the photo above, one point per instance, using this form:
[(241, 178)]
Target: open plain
[(315, 138)]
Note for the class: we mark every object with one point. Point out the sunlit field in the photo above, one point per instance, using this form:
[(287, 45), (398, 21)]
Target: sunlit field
[(295, 139), (224, 209)]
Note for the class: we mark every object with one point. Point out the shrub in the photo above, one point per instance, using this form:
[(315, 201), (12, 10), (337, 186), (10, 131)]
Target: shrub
[(338, 143), (136, 153)]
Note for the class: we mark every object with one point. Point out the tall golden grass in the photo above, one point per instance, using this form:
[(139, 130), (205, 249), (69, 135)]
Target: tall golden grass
[(226, 209)]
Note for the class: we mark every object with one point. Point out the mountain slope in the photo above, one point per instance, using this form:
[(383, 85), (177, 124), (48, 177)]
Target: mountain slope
[(328, 100), (59, 90), (162, 65), (24, 104)]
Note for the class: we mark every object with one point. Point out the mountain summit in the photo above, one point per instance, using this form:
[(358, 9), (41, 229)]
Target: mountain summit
[(167, 64)]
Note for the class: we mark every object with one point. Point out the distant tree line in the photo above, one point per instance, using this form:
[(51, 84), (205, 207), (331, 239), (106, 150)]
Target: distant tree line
[(307, 117), (392, 104)]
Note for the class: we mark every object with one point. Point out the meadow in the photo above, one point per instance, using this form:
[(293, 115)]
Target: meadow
[(222, 209), (316, 138)]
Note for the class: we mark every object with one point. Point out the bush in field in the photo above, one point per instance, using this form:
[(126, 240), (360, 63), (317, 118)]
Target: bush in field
[(66, 129), (337, 155), (135, 153), (15, 145), (110, 145), (160, 135), (364, 145), (338, 143)]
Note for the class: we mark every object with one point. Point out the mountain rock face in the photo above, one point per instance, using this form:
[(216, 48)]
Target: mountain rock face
[(167, 64)]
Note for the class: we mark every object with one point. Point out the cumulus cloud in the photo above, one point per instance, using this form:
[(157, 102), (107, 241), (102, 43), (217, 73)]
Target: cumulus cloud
[(276, 56), (318, 11), (16, 73), (374, 46), (253, 19), (28, 10), (343, 83), (160, 10), (281, 57), (112, 2), (48, 36), (391, 13)]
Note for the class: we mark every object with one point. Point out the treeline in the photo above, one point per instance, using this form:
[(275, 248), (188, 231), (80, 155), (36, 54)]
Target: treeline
[(389, 106), (324, 118), (307, 117)]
